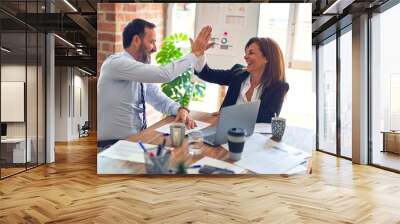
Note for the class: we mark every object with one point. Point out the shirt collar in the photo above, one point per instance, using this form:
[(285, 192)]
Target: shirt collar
[(125, 53), (246, 86)]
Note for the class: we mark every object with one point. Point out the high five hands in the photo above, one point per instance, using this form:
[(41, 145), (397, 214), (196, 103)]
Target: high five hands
[(201, 43)]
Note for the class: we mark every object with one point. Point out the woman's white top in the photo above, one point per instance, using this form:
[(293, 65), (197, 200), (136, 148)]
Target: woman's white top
[(243, 90)]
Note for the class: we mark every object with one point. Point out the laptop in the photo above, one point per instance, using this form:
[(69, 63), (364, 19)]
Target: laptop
[(235, 116)]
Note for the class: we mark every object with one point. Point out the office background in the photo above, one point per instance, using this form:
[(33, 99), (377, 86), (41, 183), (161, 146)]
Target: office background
[(45, 81), (339, 190), (29, 46), (288, 24)]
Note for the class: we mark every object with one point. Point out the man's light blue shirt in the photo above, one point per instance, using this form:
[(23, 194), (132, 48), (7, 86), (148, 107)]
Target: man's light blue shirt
[(118, 93)]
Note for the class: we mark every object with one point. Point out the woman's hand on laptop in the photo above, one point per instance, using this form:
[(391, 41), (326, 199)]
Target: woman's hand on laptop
[(182, 115)]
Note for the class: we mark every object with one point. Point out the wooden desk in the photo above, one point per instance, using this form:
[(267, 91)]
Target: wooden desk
[(14, 152), (391, 141), (151, 136)]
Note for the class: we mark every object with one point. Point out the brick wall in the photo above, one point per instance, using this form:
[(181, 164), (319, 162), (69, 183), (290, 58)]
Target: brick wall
[(111, 20)]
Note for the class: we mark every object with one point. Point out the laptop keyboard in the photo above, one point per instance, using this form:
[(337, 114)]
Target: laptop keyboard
[(209, 134), (209, 131), (210, 138)]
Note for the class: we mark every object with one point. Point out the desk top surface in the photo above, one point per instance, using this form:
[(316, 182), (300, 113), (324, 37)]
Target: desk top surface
[(13, 140), (150, 136)]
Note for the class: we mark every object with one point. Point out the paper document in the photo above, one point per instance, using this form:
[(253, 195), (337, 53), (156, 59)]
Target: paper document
[(265, 156), (297, 170), (263, 128), (270, 161), (253, 143), (125, 150), (289, 149), (216, 163), (200, 125)]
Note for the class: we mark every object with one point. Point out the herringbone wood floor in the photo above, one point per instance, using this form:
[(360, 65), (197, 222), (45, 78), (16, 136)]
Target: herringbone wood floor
[(70, 191)]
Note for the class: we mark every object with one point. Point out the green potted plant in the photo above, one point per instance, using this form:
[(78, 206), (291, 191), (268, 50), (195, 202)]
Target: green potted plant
[(181, 89)]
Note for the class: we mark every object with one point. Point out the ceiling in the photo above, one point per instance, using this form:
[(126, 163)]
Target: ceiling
[(76, 22), (330, 15)]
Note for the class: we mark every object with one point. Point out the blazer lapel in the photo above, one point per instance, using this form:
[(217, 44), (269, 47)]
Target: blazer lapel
[(234, 89)]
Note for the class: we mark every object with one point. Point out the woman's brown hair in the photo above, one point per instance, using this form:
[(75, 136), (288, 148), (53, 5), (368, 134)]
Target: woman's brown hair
[(275, 68)]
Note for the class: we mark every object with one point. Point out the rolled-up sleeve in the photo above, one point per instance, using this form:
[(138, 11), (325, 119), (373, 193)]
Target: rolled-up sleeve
[(160, 101), (125, 68), (201, 62)]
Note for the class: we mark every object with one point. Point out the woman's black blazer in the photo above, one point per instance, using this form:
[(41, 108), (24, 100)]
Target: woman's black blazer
[(271, 98)]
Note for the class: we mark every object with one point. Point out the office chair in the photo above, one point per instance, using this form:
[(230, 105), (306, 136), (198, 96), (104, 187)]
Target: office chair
[(84, 130)]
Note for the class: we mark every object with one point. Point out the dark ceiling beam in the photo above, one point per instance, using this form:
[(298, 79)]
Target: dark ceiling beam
[(85, 25), (16, 18), (331, 30), (49, 22), (82, 61), (337, 7), (321, 23), (91, 5)]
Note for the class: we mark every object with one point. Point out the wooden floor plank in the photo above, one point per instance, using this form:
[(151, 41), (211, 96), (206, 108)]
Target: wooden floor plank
[(70, 191)]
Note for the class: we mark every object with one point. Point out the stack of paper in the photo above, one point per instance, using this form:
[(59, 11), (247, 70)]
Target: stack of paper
[(270, 161), (125, 150), (265, 156), (263, 128), (216, 163), (200, 125), (113, 160)]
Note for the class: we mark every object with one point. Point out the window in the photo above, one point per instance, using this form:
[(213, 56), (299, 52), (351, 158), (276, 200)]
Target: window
[(346, 94), (273, 23), (278, 21), (301, 55), (385, 86), (327, 96)]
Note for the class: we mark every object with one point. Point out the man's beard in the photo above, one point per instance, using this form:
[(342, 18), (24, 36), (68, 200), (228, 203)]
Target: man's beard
[(144, 57)]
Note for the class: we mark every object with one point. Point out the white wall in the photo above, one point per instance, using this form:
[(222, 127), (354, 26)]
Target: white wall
[(238, 21), (33, 126), (14, 73), (69, 85)]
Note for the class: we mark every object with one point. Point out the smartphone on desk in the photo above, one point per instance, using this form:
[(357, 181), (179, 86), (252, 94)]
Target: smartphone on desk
[(214, 170)]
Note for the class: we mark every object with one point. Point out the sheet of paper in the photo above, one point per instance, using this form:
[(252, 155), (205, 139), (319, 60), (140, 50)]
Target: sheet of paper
[(263, 128), (289, 149), (297, 170), (200, 125), (253, 143), (125, 150), (216, 163), (265, 156), (270, 161)]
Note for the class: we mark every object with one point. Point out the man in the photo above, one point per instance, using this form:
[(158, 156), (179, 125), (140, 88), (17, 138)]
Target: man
[(126, 82)]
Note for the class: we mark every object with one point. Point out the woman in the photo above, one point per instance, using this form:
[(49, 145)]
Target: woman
[(263, 78)]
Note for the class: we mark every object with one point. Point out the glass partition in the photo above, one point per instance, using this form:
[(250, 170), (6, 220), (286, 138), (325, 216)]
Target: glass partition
[(14, 152), (22, 88)]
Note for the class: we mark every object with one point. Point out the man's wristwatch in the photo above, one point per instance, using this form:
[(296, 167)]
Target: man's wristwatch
[(185, 108)]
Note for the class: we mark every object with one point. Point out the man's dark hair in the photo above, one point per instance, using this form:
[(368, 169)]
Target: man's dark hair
[(135, 27)]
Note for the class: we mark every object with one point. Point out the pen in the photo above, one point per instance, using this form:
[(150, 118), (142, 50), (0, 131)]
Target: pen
[(195, 166), (277, 148), (159, 149), (165, 139), (156, 162), (142, 146)]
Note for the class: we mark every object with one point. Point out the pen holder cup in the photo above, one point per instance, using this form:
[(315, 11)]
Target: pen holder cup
[(157, 164)]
